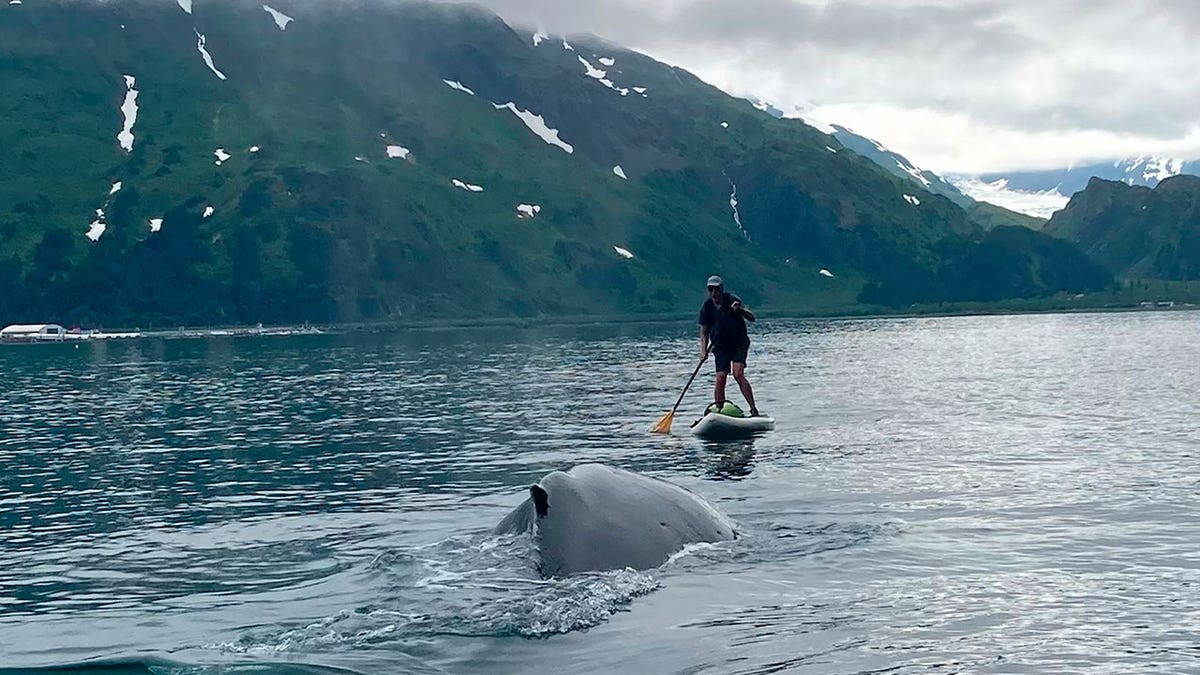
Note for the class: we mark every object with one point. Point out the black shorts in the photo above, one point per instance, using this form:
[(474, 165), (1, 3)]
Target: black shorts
[(727, 357)]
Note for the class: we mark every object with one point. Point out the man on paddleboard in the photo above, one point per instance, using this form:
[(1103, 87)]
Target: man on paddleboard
[(723, 322)]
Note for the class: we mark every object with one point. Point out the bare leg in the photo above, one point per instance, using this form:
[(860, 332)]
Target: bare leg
[(739, 374), (719, 388)]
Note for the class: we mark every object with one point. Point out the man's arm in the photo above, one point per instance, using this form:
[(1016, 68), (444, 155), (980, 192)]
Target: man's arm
[(737, 306), (703, 342)]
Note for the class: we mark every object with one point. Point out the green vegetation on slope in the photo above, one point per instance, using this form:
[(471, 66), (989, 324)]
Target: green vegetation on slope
[(321, 224)]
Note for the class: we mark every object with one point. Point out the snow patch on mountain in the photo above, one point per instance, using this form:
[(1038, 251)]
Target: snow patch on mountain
[(908, 168), (97, 226), (912, 200), (395, 151), (116, 187), (129, 109), (601, 76), (186, 5), (208, 60), (623, 252), (281, 19), (608, 62), (825, 273), (221, 156), (1041, 204), (733, 203), (455, 84), (540, 37), (538, 126), (1156, 169), (620, 172), (528, 210), (208, 211), (567, 46), (156, 224), (466, 186)]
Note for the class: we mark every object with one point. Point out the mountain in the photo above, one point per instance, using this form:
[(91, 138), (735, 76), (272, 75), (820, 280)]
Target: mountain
[(986, 214), (213, 161), (1146, 171), (899, 165), (1041, 193), (1136, 231)]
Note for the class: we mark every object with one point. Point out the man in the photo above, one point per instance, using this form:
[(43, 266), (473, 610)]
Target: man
[(723, 322)]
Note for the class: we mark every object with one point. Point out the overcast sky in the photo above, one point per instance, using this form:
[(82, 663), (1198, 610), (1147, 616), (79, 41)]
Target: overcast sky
[(956, 85)]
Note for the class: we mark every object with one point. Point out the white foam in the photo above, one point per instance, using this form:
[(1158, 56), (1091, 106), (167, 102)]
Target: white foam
[(130, 111), (116, 187), (281, 19), (693, 548), (186, 5), (623, 252), (466, 186), (605, 61), (221, 156), (620, 172), (97, 226), (538, 126), (208, 60), (208, 211), (156, 224), (912, 200), (459, 86), (528, 210), (539, 37), (397, 151), (826, 273)]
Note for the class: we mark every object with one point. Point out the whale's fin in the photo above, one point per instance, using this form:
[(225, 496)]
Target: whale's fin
[(541, 500)]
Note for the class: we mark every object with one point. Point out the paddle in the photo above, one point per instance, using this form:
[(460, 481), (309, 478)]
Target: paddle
[(663, 426)]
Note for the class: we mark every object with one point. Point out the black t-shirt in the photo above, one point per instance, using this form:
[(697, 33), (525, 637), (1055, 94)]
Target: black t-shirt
[(726, 328)]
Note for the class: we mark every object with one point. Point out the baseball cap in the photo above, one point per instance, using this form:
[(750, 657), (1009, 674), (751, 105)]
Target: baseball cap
[(715, 280)]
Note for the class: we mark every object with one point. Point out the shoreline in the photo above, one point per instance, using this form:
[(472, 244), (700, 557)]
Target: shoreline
[(609, 320)]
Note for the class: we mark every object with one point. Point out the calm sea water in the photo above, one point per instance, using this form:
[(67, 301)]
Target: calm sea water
[(962, 495)]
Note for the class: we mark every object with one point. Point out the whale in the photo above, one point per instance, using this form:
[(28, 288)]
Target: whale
[(595, 518)]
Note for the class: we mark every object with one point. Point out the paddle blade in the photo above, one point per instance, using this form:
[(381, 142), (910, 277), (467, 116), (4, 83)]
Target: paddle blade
[(663, 426)]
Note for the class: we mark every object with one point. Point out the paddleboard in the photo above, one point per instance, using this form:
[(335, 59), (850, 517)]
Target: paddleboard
[(718, 426)]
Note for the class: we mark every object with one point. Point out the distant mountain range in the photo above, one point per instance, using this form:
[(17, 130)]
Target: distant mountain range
[(1041, 193)]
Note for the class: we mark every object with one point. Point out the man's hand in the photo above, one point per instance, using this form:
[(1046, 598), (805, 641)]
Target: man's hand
[(736, 306), (703, 356)]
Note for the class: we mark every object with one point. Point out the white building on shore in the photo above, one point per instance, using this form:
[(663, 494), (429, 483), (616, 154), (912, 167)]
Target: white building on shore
[(33, 332)]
